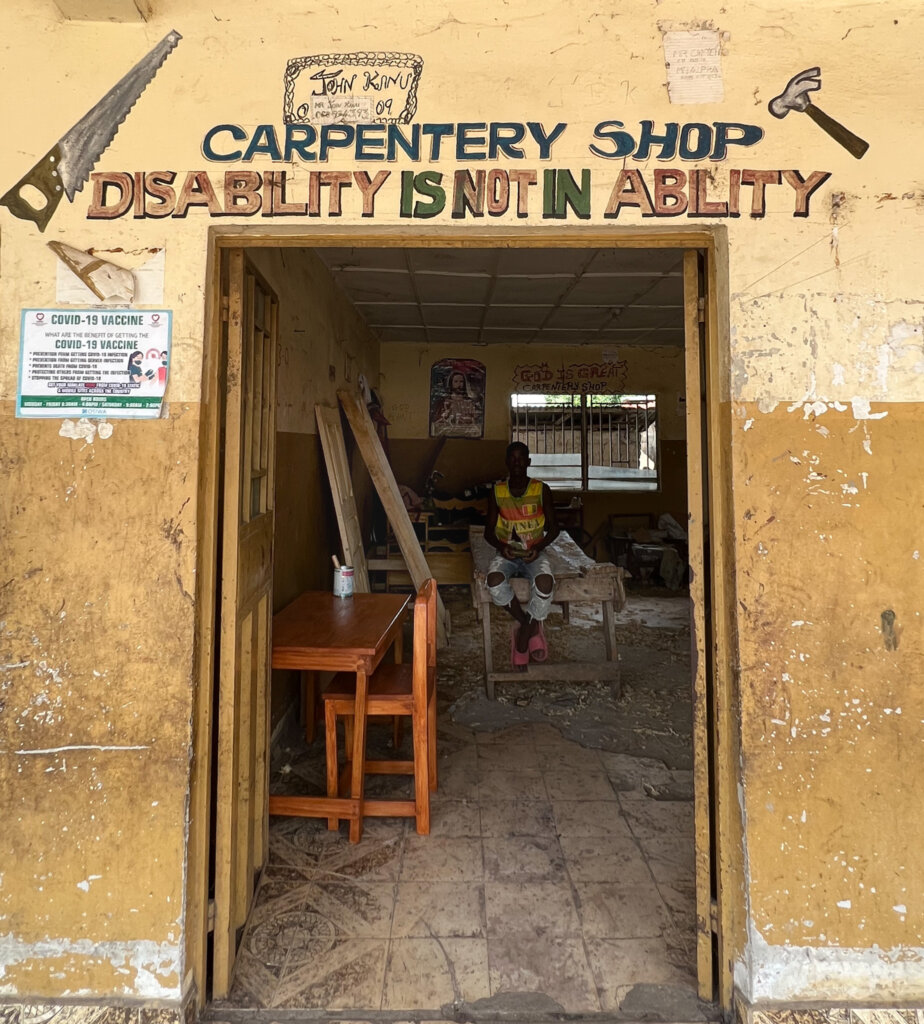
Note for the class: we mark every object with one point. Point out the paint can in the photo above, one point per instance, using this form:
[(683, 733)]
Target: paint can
[(343, 581)]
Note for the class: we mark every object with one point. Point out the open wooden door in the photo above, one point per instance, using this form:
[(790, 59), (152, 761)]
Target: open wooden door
[(701, 624), (250, 313)]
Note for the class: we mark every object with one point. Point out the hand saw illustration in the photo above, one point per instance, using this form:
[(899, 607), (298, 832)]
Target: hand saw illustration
[(67, 166)]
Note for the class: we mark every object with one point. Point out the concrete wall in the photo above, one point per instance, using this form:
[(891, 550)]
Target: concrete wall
[(821, 373)]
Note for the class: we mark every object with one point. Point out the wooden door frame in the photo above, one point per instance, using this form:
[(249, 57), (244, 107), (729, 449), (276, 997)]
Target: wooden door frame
[(728, 914)]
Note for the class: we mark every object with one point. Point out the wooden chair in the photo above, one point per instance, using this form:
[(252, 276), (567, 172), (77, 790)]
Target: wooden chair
[(399, 689)]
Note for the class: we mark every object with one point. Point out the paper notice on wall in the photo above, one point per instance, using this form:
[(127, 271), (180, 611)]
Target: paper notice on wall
[(341, 109), (93, 362), (694, 70)]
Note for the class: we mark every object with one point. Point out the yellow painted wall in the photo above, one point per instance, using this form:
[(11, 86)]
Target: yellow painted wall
[(97, 636), (821, 335)]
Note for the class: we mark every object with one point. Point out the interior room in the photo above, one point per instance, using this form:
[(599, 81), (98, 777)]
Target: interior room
[(558, 874)]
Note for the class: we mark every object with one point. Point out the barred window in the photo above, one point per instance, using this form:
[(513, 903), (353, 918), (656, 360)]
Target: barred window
[(589, 442)]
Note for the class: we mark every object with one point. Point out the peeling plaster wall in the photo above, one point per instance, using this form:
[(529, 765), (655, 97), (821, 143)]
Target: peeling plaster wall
[(829, 587), (95, 644), (821, 367)]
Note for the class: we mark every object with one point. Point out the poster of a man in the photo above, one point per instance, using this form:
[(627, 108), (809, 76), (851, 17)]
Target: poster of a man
[(457, 398)]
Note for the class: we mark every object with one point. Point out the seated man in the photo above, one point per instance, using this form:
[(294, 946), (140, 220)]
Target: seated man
[(521, 524)]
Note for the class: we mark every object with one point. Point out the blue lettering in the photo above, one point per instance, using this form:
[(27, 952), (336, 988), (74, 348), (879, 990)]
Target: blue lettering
[(503, 138), (335, 136), (263, 143), (465, 138), (437, 133), (623, 143), (398, 140), (298, 138), (235, 131), (545, 141), (703, 135), (750, 134), (646, 138), (365, 143)]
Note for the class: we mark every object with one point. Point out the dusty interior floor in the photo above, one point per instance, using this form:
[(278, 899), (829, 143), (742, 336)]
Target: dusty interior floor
[(558, 876)]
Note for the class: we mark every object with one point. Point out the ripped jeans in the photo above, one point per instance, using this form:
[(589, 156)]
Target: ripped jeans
[(502, 594)]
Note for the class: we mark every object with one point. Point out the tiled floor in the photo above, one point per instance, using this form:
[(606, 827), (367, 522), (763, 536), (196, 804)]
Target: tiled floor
[(553, 872)]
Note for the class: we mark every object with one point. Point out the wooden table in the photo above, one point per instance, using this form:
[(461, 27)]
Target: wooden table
[(578, 578), (319, 632)]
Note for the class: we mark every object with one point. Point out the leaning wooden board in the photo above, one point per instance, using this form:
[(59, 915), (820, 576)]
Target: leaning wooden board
[(341, 484), (370, 448), (578, 579)]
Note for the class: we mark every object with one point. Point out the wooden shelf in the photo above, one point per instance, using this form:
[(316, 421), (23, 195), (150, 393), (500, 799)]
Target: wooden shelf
[(445, 547)]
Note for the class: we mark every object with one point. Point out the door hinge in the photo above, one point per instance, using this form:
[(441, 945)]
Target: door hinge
[(714, 916), (225, 306), (701, 309)]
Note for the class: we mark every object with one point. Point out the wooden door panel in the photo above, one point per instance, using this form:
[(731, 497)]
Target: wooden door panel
[(246, 607), (254, 565)]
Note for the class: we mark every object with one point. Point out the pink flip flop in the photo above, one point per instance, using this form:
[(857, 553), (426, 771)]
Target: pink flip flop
[(518, 659), (538, 646)]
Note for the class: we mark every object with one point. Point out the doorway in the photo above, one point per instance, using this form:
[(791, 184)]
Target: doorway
[(708, 512)]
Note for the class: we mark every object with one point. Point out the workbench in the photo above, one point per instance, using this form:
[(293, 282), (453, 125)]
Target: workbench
[(578, 580)]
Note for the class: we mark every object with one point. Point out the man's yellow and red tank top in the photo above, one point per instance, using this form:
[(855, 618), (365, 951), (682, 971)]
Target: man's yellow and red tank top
[(520, 520)]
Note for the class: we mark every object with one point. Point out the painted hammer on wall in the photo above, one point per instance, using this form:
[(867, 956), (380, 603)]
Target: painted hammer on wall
[(795, 97)]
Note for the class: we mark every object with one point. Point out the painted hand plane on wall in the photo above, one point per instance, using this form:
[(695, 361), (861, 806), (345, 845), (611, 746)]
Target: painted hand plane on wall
[(65, 168)]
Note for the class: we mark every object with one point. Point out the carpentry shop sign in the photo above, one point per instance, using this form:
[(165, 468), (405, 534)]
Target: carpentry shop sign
[(93, 362), (360, 107)]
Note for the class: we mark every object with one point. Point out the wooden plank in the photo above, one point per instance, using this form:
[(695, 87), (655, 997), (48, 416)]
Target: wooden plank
[(247, 560), (695, 530), (259, 829), (447, 568), (258, 430), (727, 854), (228, 736), (573, 591), (387, 487), (389, 808), (271, 405), (260, 235), (311, 806), (198, 903), (609, 630), (488, 643), (246, 381), (242, 880), (261, 811), (341, 482)]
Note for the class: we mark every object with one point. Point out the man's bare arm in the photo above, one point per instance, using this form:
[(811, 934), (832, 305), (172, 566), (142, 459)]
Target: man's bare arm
[(552, 529), (490, 530)]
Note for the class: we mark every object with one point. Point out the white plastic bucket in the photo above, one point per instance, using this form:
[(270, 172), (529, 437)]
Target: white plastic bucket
[(343, 581)]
